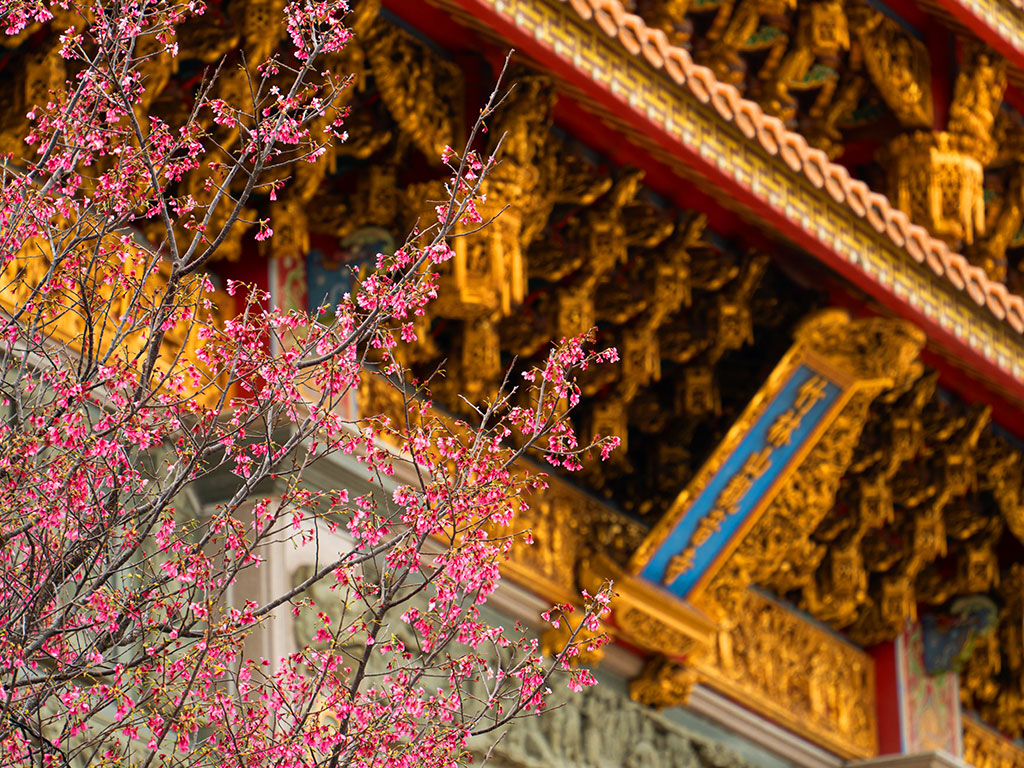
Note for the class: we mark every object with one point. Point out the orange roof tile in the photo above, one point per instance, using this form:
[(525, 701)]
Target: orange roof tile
[(769, 131)]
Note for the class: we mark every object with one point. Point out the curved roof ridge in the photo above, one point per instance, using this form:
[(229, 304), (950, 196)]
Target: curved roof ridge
[(653, 44)]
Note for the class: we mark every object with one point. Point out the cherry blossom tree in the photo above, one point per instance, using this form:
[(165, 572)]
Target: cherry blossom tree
[(124, 636)]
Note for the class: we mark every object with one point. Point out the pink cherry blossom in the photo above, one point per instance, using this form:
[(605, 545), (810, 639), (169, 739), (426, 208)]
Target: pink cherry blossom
[(129, 628)]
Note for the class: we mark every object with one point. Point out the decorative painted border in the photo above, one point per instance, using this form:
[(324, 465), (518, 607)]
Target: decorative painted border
[(767, 442), (730, 143), (929, 704)]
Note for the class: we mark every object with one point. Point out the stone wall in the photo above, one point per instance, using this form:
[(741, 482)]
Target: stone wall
[(602, 728)]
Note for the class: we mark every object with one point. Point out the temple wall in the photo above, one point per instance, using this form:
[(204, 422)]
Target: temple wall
[(602, 728)]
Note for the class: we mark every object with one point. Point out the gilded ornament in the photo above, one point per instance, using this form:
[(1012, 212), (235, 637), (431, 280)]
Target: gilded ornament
[(797, 674), (904, 510), (810, 64), (116, 289), (521, 186), (422, 90), (640, 359), (669, 16), (568, 529), (43, 72), (643, 617), (488, 274), (549, 561), (609, 416), (876, 355), (841, 585), (726, 504), (291, 230), (477, 368), (735, 23), (823, 130), (898, 64), (1002, 474), (261, 27), (977, 98), (643, 627), (662, 683), (985, 748), (1003, 218), (937, 180), (699, 393)]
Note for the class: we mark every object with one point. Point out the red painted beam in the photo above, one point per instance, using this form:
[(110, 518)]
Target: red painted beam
[(938, 39), (887, 698), (1014, 98)]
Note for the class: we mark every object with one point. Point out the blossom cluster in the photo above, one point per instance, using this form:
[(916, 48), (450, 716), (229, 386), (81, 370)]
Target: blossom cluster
[(128, 635)]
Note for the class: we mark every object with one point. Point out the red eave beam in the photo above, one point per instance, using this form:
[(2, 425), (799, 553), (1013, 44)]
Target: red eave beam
[(966, 15)]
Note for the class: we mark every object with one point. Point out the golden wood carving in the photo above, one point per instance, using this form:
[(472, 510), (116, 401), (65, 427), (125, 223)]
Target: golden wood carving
[(984, 748), (669, 16), (742, 643), (870, 354), (822, 37), (1001, 472), (898, 64), (977, 97), (421, 90), (549, 564), (645, 616), (799, 675), (878, 355), (42, 71), (898, 512), (662, 683), (1004, 216), (488, 274), (990, 683), (772, 659), (769, 658), (937, 179)]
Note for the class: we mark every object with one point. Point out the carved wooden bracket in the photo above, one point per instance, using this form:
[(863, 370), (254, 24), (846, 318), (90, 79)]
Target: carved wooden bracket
[(775, 474), (685, 592)]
